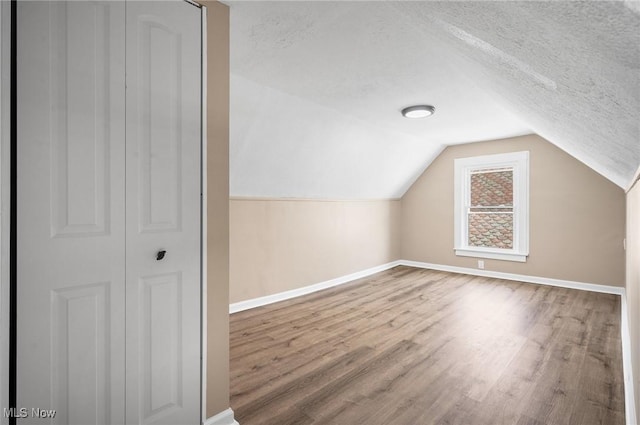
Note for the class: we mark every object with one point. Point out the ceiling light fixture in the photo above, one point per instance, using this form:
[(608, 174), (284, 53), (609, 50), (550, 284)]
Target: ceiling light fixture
[(418, 111)]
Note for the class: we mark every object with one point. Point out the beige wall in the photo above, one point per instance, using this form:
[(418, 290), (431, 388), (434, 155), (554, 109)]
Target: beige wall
[(278, 245), (577, 217), (633, 283), (217, 380)]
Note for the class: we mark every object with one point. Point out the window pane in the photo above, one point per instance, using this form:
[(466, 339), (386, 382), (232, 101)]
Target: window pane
[(491, 229), (492, 188), (491, 210)]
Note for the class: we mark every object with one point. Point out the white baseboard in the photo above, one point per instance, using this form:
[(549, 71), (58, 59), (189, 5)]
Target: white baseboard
[(281, 296), (222, 418), (617, 290), (293, 293)]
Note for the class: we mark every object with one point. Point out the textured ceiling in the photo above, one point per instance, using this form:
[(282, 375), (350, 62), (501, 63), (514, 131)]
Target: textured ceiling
[(316, 89)]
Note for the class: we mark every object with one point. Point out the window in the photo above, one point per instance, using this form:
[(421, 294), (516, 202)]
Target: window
[(492, 206)]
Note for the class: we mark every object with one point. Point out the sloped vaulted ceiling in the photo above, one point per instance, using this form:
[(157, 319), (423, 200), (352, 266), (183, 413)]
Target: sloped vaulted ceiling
[(316, 89)]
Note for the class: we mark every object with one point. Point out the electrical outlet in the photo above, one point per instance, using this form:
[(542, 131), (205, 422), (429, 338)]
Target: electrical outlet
[(481, 264)]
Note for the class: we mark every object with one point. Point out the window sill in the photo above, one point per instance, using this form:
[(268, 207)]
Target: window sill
[(507, 256)]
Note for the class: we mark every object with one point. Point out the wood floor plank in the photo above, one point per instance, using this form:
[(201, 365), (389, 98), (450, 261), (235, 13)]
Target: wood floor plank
[(413, 346)]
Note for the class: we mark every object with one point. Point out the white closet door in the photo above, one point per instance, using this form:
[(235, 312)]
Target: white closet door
[(163, 212), (70, 223)]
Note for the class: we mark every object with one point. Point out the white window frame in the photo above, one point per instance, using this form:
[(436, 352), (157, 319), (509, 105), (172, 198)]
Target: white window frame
[(462, 199)]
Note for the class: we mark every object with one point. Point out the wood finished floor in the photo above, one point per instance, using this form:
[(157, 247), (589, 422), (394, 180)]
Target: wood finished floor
[(418, 347)]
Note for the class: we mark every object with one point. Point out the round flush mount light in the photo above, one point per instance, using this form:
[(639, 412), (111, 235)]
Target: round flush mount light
[(418, 111)]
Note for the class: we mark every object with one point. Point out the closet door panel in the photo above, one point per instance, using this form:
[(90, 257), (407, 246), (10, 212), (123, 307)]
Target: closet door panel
[(163, 212), (71, 266)]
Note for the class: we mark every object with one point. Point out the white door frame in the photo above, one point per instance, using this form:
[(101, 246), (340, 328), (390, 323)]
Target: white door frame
[(5, 204), (203, 227), (5, 188)]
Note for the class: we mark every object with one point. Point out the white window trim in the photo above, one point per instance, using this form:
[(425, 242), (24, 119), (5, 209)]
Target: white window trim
[(463, 166)]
